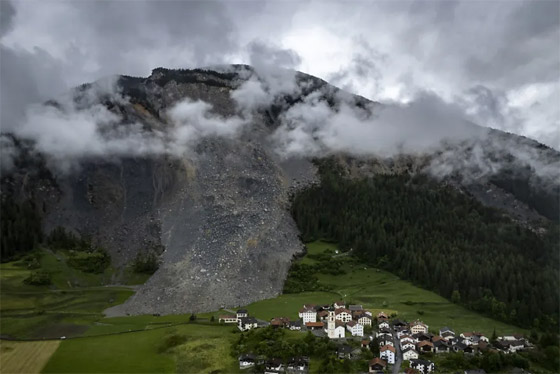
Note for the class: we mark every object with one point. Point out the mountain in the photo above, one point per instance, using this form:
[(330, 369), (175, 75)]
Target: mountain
[(218, 215)]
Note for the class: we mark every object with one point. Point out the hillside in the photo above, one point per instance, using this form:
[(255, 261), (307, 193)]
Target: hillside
[(217, 216)]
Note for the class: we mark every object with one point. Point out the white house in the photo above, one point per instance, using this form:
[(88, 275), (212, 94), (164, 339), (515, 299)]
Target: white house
[(387, 353), (410, 354), (407, 338), (308, 314), (339, 304), (228, 318), (401, 333), (295, 325), (247, 323), (364, 320), (383, 325), (386, 341), (417, 327), (446, 332), (273, 366), (383, 334), (408, 345), (355, 328), (423, 366), (242, 313), (246, 361), (343, 315)]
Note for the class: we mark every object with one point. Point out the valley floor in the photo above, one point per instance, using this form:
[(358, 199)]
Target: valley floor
[(177, 343)]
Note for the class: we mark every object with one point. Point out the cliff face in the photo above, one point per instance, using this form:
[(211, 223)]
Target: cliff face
[(218, 215)]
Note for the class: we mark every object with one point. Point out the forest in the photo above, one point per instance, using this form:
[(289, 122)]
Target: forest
[(441, 239)]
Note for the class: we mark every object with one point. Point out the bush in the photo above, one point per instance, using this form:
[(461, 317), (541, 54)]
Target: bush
[(171, 342), (90, 262), (146, 263), (38, 278)]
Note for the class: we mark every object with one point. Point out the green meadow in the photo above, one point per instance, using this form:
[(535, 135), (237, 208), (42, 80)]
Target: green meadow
[(378, 290), (205, 350)]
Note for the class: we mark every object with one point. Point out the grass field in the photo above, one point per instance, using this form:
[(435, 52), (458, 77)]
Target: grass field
[(62, 309), (206, 350), (379, 290), (25, 357)]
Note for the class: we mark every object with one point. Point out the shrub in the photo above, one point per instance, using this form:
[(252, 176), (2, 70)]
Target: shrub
[(146, 263), (90, 262), (38, 278)]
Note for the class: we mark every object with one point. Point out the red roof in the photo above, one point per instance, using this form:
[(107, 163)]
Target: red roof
[(224, 316), (425, 342), (352, 323), (387, 348), (379, 361), (340, 310), (314, 324)]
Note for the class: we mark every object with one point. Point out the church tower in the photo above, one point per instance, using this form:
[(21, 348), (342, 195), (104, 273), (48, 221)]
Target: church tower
[(331, 325)]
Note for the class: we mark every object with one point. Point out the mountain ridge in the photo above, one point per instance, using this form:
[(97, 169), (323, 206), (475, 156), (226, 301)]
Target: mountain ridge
[(222, 210)]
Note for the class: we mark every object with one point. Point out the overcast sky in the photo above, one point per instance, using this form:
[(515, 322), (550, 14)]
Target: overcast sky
[(499, 60)]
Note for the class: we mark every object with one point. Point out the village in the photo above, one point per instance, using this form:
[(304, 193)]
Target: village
[(395, 343)]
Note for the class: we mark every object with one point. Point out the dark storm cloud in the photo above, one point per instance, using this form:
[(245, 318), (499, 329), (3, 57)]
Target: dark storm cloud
[(382, 50), (7, 13)]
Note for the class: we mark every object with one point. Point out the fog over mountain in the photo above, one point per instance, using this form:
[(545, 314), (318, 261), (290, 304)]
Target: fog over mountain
[(486, 74)]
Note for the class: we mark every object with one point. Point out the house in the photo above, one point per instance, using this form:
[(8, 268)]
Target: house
[(510, 346), (355, 308), (387, 353), (273, 366), (408, 345), (402, 332), (463, 347), (418, 327), (295, 325), (383, 325), (382, 316), (242, 313), (355, 328), (411, 371), (473, 337), (280, 322), (423, 366), (308, 314), (247, 361), (440, 346), (339, 304), (314, 325), (343, 315), (511, 337), (446, 332), (377, 365), (384, 332), (475, 371), (298, 364), (365, 343), (344, 351), (246, 323), (425, 346), (364, 320), (407, 338), (398, 324), (420, 337), (322, 315), (386, 341), (409, 354), (227, 318)]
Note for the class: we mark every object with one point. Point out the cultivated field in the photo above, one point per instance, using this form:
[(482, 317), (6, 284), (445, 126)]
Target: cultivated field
[(25, 357)]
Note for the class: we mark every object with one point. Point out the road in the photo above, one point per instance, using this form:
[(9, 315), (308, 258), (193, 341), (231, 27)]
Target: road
[(398, 354)]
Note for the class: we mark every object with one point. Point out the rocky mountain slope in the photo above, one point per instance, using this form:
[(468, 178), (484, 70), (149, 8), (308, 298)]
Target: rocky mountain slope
[(218, 215)]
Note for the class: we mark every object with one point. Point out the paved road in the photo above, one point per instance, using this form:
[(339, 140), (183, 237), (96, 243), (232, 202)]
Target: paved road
[(398, 354)]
